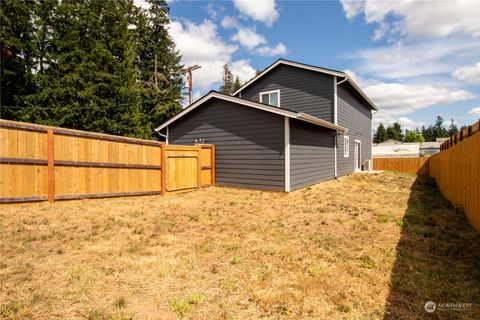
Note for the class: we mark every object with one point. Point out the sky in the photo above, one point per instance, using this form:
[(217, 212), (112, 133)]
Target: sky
[(414, 59)]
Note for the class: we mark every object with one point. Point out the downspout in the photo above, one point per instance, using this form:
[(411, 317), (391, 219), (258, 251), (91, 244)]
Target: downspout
[(165, 136), (335, 174)]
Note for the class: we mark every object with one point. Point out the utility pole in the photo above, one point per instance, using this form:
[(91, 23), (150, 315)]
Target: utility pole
[(189, 70)]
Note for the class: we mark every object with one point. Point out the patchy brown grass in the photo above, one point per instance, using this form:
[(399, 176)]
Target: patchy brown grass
[(361, 247)]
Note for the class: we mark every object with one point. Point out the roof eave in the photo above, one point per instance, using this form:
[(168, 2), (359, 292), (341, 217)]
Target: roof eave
[(305, 117), (355, 85), (286, 113)]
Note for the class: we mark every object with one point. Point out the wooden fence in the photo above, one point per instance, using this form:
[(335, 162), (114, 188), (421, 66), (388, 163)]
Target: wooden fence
[(456, 170), (39, 163), (418, 165)]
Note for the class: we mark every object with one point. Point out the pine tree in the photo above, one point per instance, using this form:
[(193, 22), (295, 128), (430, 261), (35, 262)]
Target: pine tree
[(236, 84), (80, 64), (380, 134), (439, 129), (158, 101), (395, 132), (16, 56), (228, 81), (452, 129)]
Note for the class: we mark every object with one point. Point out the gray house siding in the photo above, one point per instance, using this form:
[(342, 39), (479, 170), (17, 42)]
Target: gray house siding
[(249, 143), (311, 154), (354, 114), (300, 90)]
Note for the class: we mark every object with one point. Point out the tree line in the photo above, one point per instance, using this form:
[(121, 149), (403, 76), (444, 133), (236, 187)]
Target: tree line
[(89, 65), (424, 134)]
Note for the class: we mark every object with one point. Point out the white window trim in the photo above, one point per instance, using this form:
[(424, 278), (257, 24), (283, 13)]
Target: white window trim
[(346, 147), (359, 155), (269, 92)]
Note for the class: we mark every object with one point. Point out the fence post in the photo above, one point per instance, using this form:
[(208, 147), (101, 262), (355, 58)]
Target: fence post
[(199, 166), (212, 164), (50, 166), (163, 169)]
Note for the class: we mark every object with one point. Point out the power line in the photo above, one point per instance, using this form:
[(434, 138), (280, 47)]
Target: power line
[(122, 105)]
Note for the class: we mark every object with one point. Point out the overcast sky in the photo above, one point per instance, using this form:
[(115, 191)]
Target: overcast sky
[(415, 59)]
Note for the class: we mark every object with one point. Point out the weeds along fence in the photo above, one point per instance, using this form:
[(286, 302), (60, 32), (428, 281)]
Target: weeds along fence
[(456, 169), (418, 165), (39, 163)]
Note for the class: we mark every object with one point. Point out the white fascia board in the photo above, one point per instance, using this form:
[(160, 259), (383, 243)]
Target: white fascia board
[(286, 113), (370, 102), (227, 98)]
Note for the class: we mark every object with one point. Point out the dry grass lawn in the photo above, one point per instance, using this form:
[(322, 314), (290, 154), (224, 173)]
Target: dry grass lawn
[(362, 247)]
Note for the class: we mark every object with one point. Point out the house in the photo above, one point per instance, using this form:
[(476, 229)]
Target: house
[(398, 149), (390, 142), (291, 126)]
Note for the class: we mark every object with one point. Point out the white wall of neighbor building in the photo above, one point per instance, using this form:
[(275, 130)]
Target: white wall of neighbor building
[(396, 150), (404, 149)]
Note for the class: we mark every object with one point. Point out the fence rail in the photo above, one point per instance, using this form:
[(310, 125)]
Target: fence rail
[(418, 165), (456, 170), (39, 163)]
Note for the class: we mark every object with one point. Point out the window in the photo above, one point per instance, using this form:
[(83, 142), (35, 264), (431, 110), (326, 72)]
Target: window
[(270, 97), (346, 146)]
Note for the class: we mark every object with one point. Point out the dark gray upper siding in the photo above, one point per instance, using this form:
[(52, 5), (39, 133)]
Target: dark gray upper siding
[(311, 154), (354, 114), (300, 90), (249, 143)]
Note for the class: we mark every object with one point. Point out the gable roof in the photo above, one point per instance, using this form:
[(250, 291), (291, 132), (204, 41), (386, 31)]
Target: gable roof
[(256, 105), (311, 68)]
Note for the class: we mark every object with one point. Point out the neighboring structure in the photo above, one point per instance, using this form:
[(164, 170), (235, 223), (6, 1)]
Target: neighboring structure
[(398, 149), (291, 126)]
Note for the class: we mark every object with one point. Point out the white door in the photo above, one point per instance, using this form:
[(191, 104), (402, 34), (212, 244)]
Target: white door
[(357, 155)]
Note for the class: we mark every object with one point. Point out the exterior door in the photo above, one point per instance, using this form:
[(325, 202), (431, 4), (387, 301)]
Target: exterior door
[(357, 155)]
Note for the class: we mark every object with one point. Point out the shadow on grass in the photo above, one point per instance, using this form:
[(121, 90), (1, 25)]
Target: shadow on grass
[(438, 259)]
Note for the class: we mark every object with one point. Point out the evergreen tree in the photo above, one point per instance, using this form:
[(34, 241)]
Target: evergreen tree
[(158, 101), (228, 81), (380, 134), (428, 133), (395, 132), (452, 129), (439, 129), (236, 84), (17, 54), (89, 65)]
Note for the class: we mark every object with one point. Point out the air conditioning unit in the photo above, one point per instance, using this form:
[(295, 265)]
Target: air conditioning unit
[(368, 165)]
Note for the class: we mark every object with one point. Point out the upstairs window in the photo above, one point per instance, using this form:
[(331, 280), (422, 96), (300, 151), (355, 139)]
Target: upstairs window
[(346, 146), (270, 97)]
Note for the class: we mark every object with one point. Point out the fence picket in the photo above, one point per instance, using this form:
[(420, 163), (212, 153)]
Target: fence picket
[(39, 163)]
